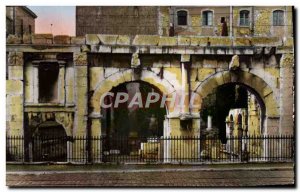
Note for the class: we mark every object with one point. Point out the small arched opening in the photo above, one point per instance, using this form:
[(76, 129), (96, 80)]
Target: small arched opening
[(237, 102), (49, 142)]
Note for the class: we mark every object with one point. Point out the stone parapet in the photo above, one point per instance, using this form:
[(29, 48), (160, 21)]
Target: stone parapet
[(147, 43)]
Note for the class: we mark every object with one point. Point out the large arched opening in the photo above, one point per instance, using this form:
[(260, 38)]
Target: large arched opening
[(231, 82), (127, 126), (130, 119)]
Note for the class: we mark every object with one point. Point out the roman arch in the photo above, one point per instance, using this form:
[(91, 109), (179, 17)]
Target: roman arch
[(118, 78), (259, 87)]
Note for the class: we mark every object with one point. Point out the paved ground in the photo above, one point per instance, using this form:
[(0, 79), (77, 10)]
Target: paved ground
[(157, 177)]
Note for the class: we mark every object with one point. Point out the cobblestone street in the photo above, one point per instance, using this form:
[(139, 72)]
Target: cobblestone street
[(185, 177)]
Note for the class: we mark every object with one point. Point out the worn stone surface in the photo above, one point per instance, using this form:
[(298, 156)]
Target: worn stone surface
[(78, 40), (61, 39), (13, 39), (167, 41), (219, 41), (146, 40), (92, 39), (42, 39)]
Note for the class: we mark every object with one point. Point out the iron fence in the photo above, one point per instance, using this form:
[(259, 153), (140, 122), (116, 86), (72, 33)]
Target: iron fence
[(178, 149)]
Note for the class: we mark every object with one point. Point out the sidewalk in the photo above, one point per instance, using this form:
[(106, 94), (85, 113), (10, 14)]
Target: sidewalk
[(151, 175)]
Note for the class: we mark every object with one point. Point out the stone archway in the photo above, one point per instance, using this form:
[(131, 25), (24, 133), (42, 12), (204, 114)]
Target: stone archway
[(49, 142), (118, 78), (259, 87), (163, 85)]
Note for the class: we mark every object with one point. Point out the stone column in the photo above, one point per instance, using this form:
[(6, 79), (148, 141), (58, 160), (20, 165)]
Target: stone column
[(61, 83), (14, 103), (286, 102), (81, 99), (286, 94), (96, 143), (209, 123), (35, 83), (185, 59)]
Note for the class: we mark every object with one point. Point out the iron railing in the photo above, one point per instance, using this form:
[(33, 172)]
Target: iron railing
[(178, 149)]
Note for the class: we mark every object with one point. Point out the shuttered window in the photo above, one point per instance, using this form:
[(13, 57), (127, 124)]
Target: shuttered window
[(278, 17), (182, 17), (244, 18), (207, 18)]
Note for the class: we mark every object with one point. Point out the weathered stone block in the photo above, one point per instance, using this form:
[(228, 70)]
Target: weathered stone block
[(92, 39), (78, 40), (14, 87), (105, 49), (15, 72), (241, 41), (42, 39), (123, 40), (287, 60), (289, 42), (61, 39), (81, 72), (199, 41), (185, 58), (220, 41), (185, 41), (204, 73), (266, 41), (108, 39), (13, 39), (146, 40), (119, 49), (167, 41), (27, 38), (80, 59)]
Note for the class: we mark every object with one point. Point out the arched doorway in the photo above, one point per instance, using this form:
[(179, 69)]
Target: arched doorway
[(237, 102), (127, 126), (49, 142)]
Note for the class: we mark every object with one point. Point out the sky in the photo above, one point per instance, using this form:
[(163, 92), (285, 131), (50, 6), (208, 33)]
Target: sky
[(62, 19)]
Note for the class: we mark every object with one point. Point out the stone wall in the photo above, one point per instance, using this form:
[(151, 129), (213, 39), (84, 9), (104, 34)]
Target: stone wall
[(127, 20)]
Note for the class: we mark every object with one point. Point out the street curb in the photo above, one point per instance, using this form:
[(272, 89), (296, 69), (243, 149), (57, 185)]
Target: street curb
[(148, 170)]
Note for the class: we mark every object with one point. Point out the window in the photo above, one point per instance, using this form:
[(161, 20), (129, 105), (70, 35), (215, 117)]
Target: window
[(278, 18), (207, 18), (48, 82), (29, 29), (244, 18), (182, 17)]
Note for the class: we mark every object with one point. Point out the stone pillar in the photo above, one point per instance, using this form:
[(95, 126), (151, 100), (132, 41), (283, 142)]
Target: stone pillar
[(185, 59), (96, 143), (271, 147), (167, 143), (14, 103), (35, 83), (209, 123), (61, 83), (286, 94), (81, 99)]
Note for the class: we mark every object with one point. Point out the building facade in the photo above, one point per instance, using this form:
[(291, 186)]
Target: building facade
[(241, 21), (20, 20), (55, 84)]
